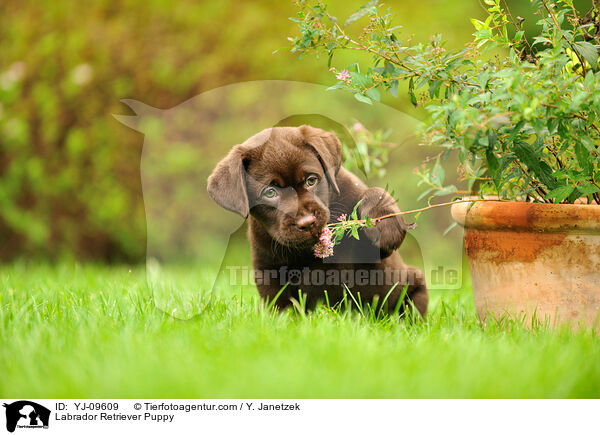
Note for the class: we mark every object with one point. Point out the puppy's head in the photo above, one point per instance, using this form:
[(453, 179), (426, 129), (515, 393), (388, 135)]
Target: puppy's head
[(283, 177)]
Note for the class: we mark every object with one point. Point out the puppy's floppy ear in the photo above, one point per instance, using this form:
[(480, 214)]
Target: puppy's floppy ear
[(227, 183), (328, 149)]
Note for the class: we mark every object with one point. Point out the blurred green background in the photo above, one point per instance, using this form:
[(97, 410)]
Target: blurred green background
[(69, 172)]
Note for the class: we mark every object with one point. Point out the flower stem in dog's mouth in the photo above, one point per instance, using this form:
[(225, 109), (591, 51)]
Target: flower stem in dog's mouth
[(333, 233)]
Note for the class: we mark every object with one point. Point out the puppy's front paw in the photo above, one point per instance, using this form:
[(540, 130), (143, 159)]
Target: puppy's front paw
[(387, 234)]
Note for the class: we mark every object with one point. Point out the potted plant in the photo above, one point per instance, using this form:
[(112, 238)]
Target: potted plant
[(520, 105)]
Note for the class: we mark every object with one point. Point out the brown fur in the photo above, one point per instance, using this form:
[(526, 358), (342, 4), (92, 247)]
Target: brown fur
[(283, 230)]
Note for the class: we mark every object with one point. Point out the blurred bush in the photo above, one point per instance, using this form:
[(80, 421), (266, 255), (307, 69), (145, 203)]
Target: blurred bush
[(69, 172)]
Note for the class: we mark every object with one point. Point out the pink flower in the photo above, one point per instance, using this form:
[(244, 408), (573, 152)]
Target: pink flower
[(324, 247), (342, 217), (358, 127), (343, 75)]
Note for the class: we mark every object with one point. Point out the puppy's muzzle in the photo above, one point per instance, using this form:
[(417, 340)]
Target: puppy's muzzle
[(306, 222)]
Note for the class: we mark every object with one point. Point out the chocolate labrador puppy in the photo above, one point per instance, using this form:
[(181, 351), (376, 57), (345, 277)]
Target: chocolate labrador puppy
[(291, 183)]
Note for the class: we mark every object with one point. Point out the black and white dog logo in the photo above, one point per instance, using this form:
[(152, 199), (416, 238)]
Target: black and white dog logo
[(26, 414)]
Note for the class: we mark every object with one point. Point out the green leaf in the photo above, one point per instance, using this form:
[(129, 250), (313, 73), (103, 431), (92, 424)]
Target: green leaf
[(373, 94), (505, 163), (424, 194), (338, 85), (411, 92), (354, 214), (438, 174), (588, 143), (588, 189), (360, 79), (584, 158), (574, 196), (477, 24), (434, 87), (552, 125), (448, 190), (483, 79), (493, 165), (515, 131), (492, 139), (587, 51), (560, 193), (483, 34), (519, 36), (394, 88), (527, 155), (361, 12), (362, 98)]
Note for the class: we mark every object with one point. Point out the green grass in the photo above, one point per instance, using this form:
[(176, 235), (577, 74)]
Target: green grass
[(94, 331)]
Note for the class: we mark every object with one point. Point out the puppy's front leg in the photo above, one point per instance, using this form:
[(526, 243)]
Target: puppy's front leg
[(389, 233)]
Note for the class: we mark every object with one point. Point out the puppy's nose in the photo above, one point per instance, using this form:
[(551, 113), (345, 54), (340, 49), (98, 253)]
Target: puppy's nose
[(305, 222)]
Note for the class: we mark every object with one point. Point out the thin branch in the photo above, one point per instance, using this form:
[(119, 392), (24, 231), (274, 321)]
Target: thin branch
[(517, 26), (444, 204), (387, 216), (363, 47), (556, 23), (534, 184), (560, 163)]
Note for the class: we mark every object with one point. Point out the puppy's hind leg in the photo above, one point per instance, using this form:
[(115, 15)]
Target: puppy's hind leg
[(417, 292), (419, 296)]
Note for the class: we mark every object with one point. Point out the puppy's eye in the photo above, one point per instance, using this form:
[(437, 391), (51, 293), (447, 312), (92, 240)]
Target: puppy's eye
[(312, 180), (270, 193)]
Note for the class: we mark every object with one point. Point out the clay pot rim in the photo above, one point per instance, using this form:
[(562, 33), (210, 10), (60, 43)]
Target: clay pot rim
[(528, 216)]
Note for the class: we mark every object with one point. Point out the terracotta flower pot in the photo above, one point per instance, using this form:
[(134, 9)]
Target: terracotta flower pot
[(528, 258)]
